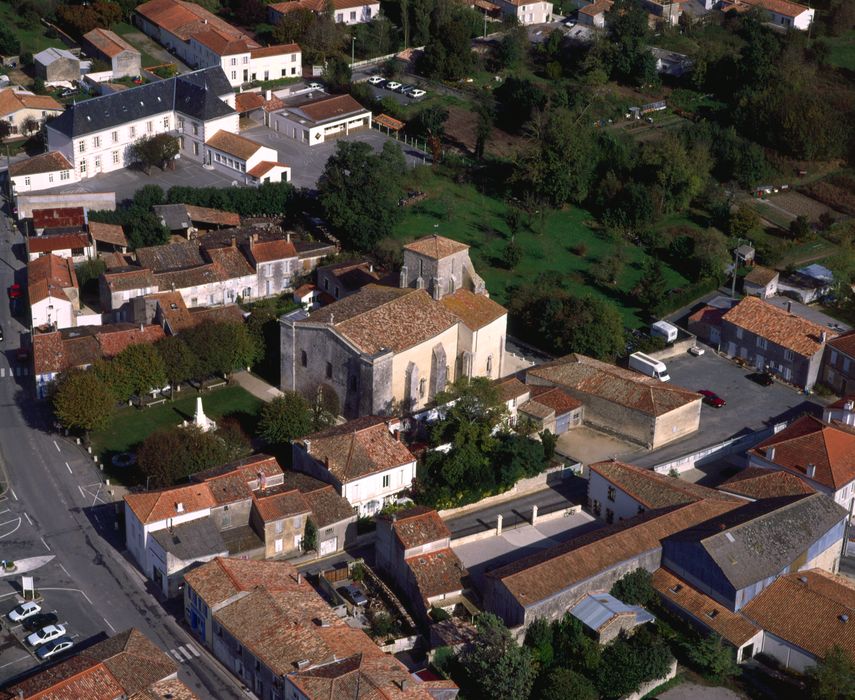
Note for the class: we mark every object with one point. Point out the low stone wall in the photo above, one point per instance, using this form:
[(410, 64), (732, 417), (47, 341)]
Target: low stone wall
[(487, 534), (645, 688), (681, 347)]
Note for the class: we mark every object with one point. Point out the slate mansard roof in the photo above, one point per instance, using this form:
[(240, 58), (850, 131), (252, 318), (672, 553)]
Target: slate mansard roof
[(196, 95)]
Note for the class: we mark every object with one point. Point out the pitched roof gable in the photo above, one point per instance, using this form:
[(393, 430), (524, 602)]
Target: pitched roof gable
[(436, 247), (475, 310), (778, 326), (756, 483)]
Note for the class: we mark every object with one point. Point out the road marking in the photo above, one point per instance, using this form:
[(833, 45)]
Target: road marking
[(75, 590), (28, 518), (65, 570), (109, 625), (4, 511), (185, 653), (193, 649), (14, 495), (69, 468), (56, 446), (17, 661), (45, 544), (2, 371), (18, 520), (177, 656)]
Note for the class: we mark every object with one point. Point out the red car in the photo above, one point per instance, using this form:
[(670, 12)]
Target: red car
[(711, 398), (15, 291)]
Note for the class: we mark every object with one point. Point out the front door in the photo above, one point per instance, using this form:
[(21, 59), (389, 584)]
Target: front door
[(760, 362)]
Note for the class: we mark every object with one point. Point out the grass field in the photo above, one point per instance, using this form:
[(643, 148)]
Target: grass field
[(33, 39), (567, 245), (130, 426), (123, 29), (843, 50)]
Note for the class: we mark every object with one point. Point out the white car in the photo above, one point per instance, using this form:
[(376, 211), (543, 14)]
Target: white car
[(24, 610), (696, 350), (392, 85), (376, 79), (416, 93), (45, 634), (315, 86), (57, 646)]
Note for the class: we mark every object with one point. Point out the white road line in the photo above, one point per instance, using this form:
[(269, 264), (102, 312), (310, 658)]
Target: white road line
[(4, 511), (69, 468), (109, 625), (56, 446), (18, 520), (17, 661), (2, 371), (185, 653), (193, 649), (75, 590), (65, 570), (45, 544), (177, 656), (14, 495), (28, 518)]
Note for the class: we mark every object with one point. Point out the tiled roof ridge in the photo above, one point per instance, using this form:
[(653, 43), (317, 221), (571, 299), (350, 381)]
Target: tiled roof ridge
[(792, 501), (653, 477), (230, 576), (391, 300), (74, 677)]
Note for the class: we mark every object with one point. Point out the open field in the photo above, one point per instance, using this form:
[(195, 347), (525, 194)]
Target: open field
[(798, 204), (567, 244), (33, 39), (842, 50), (130, 426)]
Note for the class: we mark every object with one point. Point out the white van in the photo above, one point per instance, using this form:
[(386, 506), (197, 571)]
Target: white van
[(665, 330), (648, 366)]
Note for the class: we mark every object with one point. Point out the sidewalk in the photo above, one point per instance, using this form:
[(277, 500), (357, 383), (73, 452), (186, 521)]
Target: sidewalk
[(255, 386)]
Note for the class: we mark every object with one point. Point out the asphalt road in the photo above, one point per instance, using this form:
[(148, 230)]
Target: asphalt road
[(54, 504)]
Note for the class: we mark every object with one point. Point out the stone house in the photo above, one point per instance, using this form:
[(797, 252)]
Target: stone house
[(244, 159), (365, 462), (188, 220), (552, 409), (439, 265), (527, 12), (344, 11), (268, 626), (820, 452), (838, 364), (636, 408), (413, 550), (343, 279), (774, 340), (761, 282), (55, 65), (17, 106), (605, 617), (124, 60)]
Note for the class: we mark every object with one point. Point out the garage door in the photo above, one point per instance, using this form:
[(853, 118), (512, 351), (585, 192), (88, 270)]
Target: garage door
[(328, 546), (562, 423)]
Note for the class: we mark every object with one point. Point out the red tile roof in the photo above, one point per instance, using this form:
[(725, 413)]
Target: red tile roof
[(778, 326), (59, 217), (107, 42), (809, 441), (555, 398), (844, 343), (155, 506), (269, 251), (265, 167), (757, 483), (329, 108), (238, 146), (813, 610), (185, 19), (79, 347), (108, 233), (49, 162), (418, 526), (781, 7), (436, 246), (357, 448), (275, 50), (280, 502), (12, 102), (206, 215), (760, 275), (475, 310), (248, 101), (511, 388), (59, 241), (437, 573), (48, 275)]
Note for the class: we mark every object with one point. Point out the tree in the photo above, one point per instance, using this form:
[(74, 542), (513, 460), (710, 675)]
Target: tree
[(5, 129), (285, 418), (448, 52), (628, 54), (325, 407), (81, 401), (512, 47), (562, 684), (337, 74), (573, 648), (222, 347), (833, 678), (627, 663), (635, 588), (495, 664), (713, 657), (310, 536), (652, 286), (359, 192), (179, 363), (677, 170), (518, 99), (30, 125), (512, 254), (143, 368), (157, 150), (800, 228), (744, 222), (549, 441), (538, 638), (171, 454), (149, 196), (9, 44)]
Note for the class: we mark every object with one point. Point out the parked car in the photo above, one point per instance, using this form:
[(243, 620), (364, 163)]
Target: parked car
[(355, 594), (36, 622), (51, 649), (45, 634), (15, 291), (24, 610), (761, 378), (416, 93), (392, 85), (570, 23), (711, 398), (376, 80), (404, 89), (696, 350), (315, 86)]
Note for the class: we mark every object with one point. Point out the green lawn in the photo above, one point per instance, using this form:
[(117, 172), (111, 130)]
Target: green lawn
[(123, 29), (130, 426), (567, 245), (33, 39), (843, 50)]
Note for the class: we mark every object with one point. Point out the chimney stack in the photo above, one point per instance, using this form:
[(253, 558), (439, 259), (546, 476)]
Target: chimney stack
[(823, 337), (268, 94), (770, 453), (811, 470), (234, 241)]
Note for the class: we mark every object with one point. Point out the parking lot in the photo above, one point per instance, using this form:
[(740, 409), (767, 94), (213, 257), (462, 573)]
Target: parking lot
[(749, 407)]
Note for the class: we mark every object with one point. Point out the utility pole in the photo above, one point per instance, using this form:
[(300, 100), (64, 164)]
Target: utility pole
[(485, 22), (352, 54)]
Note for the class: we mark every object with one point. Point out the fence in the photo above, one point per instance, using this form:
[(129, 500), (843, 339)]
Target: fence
[(379, 59)]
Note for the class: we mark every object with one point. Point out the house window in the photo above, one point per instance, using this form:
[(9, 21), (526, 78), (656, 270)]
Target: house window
[(115, 136), (611, 493), (115, 157), (149, 126), (195, 149), (279, 525), (596, 508), (195, 129), (64, 175), (247, 292), (422, 385), (50, 177), (166, 122), (788, 355), (132, 131), (761, 343), (96, 142), (304, 358), (246, 59), (97, 162), (81, 147), (339, 17), (234, 61), (489, 365), (386, 479), (82, 166), (610, 516), (834, 357), (27, 181), (234, 75), (845, 364), (739, 333), (329, 370), (352, 16)]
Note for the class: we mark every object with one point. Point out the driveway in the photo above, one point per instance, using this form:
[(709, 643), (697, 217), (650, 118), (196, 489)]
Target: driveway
[(750, 407)]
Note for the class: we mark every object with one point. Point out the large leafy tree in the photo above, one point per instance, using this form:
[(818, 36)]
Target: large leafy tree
[(157, 150), (142, 367), (627, 663), (222, 347), (495, 664), (9, 43), (81, 401), (359, 191), (652, 286), (179, 362), (635, 588), (448, 51), (562, 684), (833, 678), (628, 54), (713, 657), (337, 74), (285, 418)]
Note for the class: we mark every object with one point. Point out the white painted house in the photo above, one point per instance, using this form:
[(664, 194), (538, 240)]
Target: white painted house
[(245, 160), (344, 11), (41, 172), (527, 12), (781, 13), (363, 459), (313, 120)]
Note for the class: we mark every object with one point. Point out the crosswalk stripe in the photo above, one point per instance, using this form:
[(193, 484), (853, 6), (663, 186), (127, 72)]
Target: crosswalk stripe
[(2, 371), (185, 653), (193, 650), (17, 371), (177, 656)]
